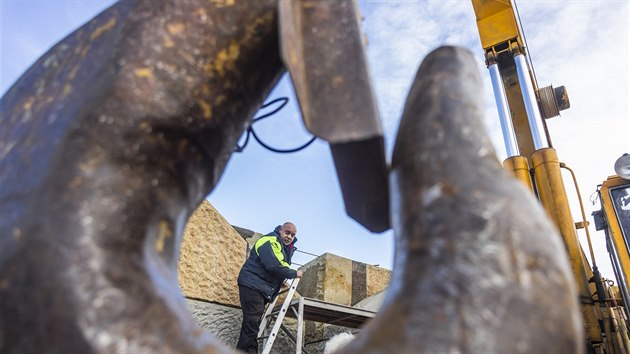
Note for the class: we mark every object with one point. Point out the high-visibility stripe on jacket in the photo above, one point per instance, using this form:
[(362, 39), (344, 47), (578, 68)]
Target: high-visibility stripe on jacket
[(275, 246), (268, 265)]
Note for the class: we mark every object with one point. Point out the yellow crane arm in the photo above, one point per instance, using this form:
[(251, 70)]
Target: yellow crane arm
[(522, 111), (496, 23)]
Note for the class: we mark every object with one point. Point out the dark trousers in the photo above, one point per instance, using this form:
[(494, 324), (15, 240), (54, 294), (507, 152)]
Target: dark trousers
[(253, 306)]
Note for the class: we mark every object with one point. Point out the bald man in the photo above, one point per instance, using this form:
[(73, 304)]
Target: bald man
[(261, 277)]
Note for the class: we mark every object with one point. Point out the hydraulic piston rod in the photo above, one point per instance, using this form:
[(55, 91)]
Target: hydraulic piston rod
[(509, 138), (531, 106)]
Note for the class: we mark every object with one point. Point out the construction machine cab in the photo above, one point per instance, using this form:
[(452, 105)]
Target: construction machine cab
[(614, 219)]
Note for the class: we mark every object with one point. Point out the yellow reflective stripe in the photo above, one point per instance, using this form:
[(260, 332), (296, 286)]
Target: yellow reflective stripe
[(275, 246), (261, 241)]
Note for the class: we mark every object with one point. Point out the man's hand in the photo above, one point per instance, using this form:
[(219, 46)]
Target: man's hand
[(299, 274)]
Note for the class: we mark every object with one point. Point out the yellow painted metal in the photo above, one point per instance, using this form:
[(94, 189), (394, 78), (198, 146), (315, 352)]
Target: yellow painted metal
[(553, 197), (520, 123), (500, 36), (519, 168), (501, 39), (614, 228), (496, 22)]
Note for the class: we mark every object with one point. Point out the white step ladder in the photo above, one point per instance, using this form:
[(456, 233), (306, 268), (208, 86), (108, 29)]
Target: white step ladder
[(270, 337)]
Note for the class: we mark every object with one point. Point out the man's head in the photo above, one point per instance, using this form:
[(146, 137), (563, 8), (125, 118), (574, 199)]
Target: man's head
[(287, 232)]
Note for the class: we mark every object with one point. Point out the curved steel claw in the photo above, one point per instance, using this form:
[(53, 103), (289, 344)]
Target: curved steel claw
[(479, 268), (108, 143)]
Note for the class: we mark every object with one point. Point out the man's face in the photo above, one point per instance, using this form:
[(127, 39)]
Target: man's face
[(287, 234)]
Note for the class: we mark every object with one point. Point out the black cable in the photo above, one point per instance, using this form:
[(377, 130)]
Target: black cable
[(239, 148), (250, 130), (282, 151), (284, 103)]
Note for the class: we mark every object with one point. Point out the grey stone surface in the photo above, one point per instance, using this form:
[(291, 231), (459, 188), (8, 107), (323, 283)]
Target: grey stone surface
[(224, 322)]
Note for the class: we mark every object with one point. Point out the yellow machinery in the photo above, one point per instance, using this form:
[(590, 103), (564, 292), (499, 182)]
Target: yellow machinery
[(523, 108), (614, 219)]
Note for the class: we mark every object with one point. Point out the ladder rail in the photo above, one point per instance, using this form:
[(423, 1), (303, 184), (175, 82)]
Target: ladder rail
[(279, 318), (265, 318)]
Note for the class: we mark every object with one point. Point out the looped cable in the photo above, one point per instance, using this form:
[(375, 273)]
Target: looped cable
[(250, 130)]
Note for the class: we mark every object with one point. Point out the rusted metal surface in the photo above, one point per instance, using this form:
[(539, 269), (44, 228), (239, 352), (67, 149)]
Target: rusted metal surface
[(362, 173), (107, 145), (322, 47), (479, 268)]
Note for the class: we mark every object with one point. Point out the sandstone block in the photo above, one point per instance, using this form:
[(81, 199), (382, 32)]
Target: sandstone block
[(211, 256)]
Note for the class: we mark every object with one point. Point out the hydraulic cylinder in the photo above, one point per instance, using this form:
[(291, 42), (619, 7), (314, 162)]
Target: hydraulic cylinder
[(517, 165), (554, 199)]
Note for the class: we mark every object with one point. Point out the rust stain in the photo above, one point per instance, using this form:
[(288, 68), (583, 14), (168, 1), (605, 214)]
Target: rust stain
[(220, 99), (223, 3), (84, 51), (251, 30), (168, 42), (143, 73), (205, 90), (208, 69), (175, 28), (226, 57), (164, 232), (73, 73), (205, 107), (28, 104), (104, 28)]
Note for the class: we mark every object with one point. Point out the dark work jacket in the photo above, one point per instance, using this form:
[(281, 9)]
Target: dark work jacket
[(267, 266)]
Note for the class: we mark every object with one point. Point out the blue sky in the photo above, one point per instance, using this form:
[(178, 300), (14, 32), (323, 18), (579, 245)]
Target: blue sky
[(580, 44)]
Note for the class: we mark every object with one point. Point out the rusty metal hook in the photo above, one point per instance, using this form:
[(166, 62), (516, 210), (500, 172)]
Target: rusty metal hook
[(474, 251)]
